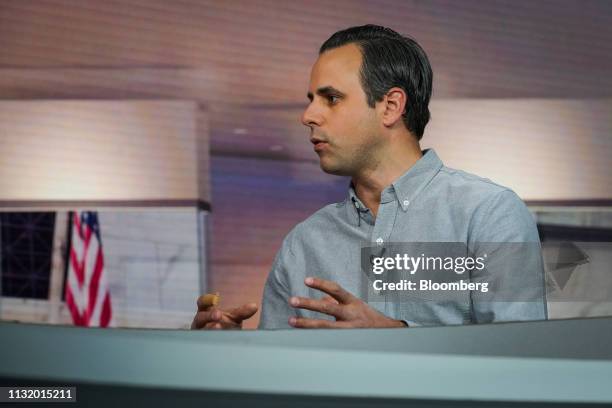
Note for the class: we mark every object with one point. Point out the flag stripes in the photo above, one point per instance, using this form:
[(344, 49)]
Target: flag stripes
[(87, 294)]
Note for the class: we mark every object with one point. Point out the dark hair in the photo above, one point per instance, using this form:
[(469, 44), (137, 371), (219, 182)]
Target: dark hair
[(391, 60)]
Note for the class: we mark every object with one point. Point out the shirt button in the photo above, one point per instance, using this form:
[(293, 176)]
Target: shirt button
[(379, 241), (406, 202)]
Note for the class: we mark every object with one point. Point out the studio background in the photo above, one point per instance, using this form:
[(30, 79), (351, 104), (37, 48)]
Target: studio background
[(521, 95)]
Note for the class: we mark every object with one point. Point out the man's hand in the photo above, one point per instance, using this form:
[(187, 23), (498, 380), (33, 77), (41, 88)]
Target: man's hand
[(349, 311), (211, 317)]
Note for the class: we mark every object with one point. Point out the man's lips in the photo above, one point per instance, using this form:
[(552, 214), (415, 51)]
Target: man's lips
[(318, 144)]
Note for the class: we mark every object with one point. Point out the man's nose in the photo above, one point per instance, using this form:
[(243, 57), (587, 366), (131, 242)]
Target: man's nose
[(311, 117)]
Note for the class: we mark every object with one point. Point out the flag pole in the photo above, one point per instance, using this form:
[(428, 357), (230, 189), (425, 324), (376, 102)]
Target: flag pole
[(58, 265)]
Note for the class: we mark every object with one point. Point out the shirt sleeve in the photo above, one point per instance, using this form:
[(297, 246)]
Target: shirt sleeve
[(504, 231), (275, 309)]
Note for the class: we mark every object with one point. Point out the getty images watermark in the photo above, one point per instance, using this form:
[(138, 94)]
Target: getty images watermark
[(487, 272)]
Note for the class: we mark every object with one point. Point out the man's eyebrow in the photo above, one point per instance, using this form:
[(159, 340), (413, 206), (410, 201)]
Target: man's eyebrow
[(325, 91)]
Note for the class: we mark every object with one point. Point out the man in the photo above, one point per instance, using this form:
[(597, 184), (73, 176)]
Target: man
[(369, 93)]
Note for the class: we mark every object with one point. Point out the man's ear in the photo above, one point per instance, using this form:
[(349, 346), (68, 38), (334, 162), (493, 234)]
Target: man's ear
[(394, 106)]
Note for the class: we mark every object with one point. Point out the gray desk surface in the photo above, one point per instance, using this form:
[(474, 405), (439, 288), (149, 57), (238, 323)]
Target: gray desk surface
[(553, 361)]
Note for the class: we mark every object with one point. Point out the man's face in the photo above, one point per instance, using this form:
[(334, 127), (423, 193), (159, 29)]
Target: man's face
[(344, 129)]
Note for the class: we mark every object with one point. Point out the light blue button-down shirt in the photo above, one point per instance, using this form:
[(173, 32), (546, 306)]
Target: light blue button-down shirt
[(429, 203)]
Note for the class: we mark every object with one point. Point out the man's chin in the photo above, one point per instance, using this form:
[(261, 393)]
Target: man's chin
[(331, 168)]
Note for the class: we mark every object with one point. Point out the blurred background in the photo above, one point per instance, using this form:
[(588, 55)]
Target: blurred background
[(168, 132)]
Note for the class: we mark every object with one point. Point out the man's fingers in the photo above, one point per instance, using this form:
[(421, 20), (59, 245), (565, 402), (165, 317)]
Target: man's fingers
[(322, 306), (306, 323), (242, 312), (207, 317), (331, 288), (225, 325), (203, 317), (328, 298)]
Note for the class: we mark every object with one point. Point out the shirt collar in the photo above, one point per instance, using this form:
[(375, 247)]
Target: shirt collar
[(408, 185)]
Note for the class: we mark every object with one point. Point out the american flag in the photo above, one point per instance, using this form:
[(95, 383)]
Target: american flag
[(87, 294)]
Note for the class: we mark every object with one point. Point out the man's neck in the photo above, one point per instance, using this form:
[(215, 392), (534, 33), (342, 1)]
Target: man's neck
[(370, 183)]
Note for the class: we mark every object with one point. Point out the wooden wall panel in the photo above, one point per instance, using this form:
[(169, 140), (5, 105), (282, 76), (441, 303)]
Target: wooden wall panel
[(478, 49), (544, 149), (99, 151)]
